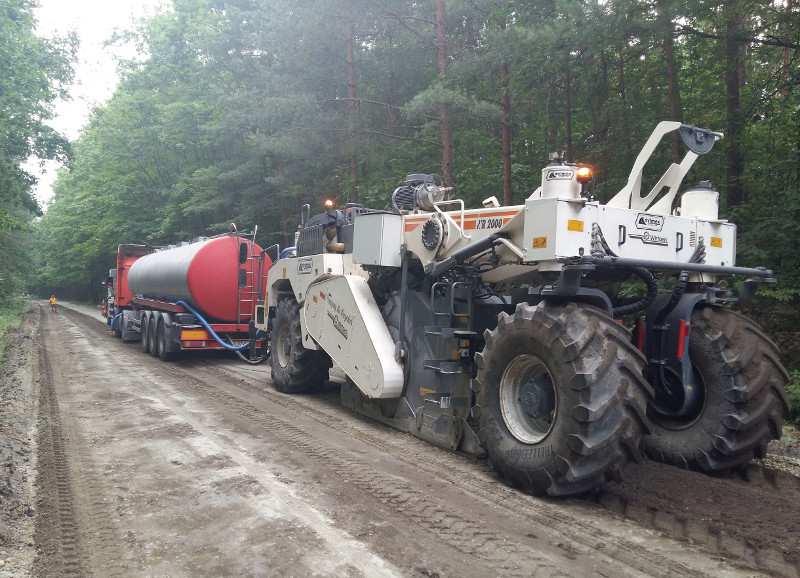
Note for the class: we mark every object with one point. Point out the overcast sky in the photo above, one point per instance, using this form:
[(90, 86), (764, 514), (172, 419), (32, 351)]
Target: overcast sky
[(94, 21)]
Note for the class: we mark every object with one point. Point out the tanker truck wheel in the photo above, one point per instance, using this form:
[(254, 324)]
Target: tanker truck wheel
[(115, 327), (561, 398), (145, 328), (128, 335), (162, 349), (295, 369), (743, 401), (151, 336)]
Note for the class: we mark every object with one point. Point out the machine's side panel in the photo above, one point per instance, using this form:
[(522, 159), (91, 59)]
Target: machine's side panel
[(341, 315), (720, 241), (641, 235), (555, 228), (377, 239)]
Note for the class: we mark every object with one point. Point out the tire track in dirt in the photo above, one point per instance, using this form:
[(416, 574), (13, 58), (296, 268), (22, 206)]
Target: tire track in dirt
[(636, 505), (57, 533), (754, 546), (457, 531), (74, 533), (477, 478)]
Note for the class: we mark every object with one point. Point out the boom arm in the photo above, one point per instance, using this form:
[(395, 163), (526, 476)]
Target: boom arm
[(699, 141)]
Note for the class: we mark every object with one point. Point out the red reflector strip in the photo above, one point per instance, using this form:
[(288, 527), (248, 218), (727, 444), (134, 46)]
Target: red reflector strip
[(640, 335), (683, 335)]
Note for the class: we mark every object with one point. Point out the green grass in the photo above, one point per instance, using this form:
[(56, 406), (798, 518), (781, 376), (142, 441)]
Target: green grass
[(10, 317)]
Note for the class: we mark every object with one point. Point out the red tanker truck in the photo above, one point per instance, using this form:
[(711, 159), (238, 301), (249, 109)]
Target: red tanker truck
[(195, 296)]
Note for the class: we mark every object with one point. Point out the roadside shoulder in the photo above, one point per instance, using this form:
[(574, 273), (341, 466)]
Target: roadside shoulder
[(18, 456)]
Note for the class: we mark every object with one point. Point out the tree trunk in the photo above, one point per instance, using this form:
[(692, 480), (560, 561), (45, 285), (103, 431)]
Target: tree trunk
[(733, 56), (553, 120), (673, 86), (623, 95), (352, 112), (391, 109), (568, 115), (505, 128), (787, 55), (445, 133)]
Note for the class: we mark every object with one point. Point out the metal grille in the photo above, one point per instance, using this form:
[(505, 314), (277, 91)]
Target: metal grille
[(311, 241)]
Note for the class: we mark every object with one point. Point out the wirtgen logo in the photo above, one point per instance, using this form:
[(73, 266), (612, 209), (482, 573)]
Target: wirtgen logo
[(649, 238), (649, 222)]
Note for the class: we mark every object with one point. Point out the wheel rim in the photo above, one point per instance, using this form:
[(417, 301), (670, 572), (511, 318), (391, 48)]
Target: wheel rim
[(528, 399), (283, 346)]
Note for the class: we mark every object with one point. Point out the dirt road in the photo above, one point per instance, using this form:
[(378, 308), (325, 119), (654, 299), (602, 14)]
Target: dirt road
[(198, 467)]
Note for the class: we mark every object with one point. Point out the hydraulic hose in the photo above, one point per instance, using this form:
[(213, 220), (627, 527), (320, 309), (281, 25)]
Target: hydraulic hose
[(643, 303), (680, 287), (211, 332), (229, 346), (246, 359)]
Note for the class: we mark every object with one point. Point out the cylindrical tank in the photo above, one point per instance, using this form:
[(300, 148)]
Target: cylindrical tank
[(211, 274), (559, 181), (701, 201)]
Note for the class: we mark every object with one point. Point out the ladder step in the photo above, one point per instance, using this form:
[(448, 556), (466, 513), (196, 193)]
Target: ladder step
[(444, 367)]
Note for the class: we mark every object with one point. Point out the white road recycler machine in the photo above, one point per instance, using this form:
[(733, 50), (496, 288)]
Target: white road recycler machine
[(501, 331)]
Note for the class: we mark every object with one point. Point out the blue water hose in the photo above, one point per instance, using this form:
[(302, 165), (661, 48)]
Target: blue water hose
[(287, 252), (208, 328)]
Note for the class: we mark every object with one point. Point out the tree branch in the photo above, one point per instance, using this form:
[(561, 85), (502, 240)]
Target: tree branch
[(767, 41)]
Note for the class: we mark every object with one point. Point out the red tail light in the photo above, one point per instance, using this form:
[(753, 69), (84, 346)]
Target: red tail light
[(683, 336)]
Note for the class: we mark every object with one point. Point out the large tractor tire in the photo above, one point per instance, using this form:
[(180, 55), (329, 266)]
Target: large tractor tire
[(295, 369), (561, 398), (743, 403)]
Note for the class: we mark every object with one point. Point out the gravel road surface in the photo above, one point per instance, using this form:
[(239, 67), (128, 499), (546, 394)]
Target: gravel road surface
[(199, 467)]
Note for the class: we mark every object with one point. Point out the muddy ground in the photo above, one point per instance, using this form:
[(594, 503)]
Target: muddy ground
[(114, 463)]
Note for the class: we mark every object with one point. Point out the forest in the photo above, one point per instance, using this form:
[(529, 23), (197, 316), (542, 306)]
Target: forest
[(34, 72), (239, 111)]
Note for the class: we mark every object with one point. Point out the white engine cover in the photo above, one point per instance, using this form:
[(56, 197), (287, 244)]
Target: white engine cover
[(342, 317)]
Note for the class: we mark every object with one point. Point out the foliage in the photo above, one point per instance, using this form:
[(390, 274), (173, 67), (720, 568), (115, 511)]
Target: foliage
[(10, 316), (240, 111), (793, 390), (33, 73)]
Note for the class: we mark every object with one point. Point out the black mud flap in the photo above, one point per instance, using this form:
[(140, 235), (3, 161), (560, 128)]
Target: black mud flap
[(664, 339)]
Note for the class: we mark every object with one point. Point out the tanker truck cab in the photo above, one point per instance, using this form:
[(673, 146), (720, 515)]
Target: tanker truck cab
[(501, 331), (200, 296), (119, 307)]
